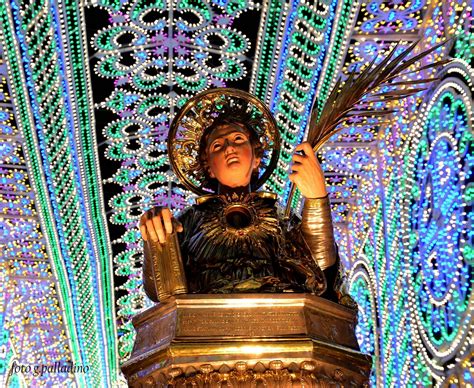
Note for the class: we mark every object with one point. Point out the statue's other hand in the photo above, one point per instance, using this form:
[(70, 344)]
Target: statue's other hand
[(158, 223), (307, 173)]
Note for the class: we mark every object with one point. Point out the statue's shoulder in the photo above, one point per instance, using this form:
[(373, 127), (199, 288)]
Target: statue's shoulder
[(206, 200)]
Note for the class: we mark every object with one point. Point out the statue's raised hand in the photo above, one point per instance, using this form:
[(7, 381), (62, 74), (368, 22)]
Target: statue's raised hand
[(307, 174), (158, 223)]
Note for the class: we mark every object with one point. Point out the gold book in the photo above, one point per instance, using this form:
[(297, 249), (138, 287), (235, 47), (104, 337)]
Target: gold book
[(168, 267)]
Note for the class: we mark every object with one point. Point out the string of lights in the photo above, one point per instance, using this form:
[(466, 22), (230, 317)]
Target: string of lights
[(87, 94)]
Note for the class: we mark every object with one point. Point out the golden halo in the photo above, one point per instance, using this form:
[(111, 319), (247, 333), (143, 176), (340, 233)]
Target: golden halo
[(197, 114)]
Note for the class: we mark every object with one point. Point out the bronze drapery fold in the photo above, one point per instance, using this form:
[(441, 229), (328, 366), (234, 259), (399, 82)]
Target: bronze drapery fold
[(270, 255)]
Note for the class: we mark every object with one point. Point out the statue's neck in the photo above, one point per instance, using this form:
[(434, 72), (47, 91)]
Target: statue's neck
[(226, 190)]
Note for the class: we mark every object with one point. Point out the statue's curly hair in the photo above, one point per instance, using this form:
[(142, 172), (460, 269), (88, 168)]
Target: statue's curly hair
[(237, 114)]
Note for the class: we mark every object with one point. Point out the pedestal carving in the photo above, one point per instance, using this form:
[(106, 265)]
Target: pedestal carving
[(246, 340)]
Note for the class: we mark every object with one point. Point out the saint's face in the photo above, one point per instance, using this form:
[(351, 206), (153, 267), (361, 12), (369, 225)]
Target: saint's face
[(230, 155)]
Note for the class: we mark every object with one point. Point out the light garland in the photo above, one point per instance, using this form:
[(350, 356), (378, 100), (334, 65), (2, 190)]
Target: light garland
[(411, 277), (442, 290), (301, 59), (70, 218), (28, 286), (405, 340), (398, 365)]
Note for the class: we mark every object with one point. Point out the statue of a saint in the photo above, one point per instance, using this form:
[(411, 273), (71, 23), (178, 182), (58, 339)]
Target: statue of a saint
[(224, 144)]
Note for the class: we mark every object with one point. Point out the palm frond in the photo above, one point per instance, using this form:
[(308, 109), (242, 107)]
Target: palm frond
[(356, 96), (363, 89), (415, 82)]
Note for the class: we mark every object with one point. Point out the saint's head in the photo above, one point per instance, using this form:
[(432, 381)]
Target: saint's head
[(221, 140), (230, 150)]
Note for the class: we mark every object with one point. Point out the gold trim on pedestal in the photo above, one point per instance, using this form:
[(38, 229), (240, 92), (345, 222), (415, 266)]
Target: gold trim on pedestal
[(191, 339)]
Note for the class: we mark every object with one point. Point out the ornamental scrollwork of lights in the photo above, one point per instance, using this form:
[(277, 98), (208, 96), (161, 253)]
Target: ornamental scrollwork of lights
[(412, 243), (437, 219), (401, 193)]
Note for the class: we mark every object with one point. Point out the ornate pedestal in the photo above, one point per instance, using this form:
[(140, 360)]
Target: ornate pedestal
[(246, 340)]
